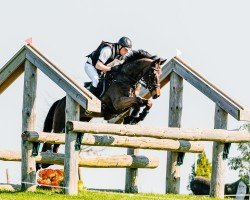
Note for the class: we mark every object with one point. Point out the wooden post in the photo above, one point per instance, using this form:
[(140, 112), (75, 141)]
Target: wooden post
[(72, 112), (175, 113), (131, 174), (218, 164), (28, 123)]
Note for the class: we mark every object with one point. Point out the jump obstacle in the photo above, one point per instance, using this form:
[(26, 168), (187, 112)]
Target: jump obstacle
[(174, 139)]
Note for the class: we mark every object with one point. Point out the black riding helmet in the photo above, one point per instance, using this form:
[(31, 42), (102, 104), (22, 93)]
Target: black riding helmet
[(125, 42)]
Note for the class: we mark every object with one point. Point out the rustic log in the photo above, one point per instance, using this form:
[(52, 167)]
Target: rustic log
[(119, 141), (71, 155), (218, 163), (116, 161), (28, 123), (218, 135), (12, 70), (174, 120), (6, 155)]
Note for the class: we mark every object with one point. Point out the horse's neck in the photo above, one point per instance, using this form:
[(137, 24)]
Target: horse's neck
[(135, 69)]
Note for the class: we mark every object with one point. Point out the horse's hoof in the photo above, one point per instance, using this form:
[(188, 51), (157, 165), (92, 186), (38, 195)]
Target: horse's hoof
[(127, 120), (38, 166), (45, 166), (131, 120)]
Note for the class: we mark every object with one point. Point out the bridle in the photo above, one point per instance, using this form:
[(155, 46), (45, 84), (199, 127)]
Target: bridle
[(150, 77)]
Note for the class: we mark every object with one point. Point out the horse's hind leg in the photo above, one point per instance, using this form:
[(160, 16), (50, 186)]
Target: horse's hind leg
[(48, 124), (59, 121), (47, 127), (58, 125)]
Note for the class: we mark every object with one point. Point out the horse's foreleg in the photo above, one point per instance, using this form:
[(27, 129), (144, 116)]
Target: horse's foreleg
[(129, 119), (143, 114), (137, 102), (135, 111), (124, 103), (134, 119)]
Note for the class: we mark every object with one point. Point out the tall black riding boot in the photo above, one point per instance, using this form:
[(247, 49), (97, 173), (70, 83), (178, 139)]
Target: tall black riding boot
[(93, 90)]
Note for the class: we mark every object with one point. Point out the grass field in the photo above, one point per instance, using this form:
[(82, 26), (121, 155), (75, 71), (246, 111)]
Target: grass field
[(90, 195)]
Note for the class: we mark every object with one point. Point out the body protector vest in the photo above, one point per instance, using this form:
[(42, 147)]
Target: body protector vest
[(95, 54)]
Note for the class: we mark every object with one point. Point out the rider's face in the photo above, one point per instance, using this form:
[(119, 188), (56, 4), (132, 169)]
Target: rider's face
[(123, 51)]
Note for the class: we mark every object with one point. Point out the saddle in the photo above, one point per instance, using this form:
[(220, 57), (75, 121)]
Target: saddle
[(104, 83)]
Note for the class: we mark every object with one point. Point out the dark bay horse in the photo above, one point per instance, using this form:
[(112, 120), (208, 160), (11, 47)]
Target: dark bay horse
[(120, 94)]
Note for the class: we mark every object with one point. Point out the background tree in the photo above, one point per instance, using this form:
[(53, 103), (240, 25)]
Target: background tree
[(242, 161), (204, 167)]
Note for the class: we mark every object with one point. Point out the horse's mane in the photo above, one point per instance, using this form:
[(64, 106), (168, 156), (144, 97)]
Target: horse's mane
[(137, 54)]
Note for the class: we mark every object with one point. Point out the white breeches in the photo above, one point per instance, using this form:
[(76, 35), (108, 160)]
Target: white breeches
[(92, 74)]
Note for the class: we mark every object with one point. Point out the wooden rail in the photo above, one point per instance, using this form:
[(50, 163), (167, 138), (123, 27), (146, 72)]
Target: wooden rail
[(116, 161), (118, 141), (218, 135)]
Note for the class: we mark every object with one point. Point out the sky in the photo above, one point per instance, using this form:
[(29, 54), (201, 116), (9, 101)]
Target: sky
[(213, 36)]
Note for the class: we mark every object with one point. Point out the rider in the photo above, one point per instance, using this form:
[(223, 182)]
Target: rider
[(99, 59)]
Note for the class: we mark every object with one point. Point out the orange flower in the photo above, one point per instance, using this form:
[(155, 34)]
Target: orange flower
[(50, 177)]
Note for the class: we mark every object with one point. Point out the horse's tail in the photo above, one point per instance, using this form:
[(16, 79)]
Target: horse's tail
[(48, 123)]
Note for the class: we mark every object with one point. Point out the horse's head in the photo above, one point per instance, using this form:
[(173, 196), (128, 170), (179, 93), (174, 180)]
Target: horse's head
[(152, 78), (140, 65)]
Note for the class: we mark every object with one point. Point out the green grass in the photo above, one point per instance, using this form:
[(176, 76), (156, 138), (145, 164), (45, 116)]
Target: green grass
[(90, 195)]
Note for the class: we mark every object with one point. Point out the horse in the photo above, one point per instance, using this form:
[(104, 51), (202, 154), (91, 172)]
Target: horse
[(201, 186), (119, 97)]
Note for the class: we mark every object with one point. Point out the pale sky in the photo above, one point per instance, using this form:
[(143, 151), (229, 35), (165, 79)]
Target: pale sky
[(214, 37)]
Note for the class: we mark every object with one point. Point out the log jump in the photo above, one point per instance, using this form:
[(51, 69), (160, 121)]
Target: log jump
[(172, 138)]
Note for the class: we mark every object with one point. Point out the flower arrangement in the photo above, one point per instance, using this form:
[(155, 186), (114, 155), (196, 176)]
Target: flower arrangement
[(50, 177)]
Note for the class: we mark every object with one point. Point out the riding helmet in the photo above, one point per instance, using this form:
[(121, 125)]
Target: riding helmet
[(125, 42)]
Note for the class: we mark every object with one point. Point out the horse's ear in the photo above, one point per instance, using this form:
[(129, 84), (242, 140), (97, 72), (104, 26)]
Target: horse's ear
[(162, 61), (157, 61)]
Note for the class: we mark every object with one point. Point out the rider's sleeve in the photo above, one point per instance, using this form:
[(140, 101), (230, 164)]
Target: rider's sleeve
[(105, 54)]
